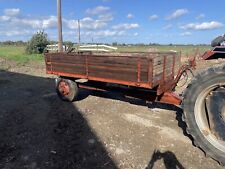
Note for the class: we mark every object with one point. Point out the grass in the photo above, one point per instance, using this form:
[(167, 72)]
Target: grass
[(17, 53), (185, 50)]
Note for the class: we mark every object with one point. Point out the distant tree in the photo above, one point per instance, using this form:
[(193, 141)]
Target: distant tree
[(20, 43), (8, 42), (114, 44), (38, 43), (68, 43), (53, 42)]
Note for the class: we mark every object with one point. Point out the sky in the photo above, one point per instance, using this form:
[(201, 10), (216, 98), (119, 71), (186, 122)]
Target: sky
[(122, 21)]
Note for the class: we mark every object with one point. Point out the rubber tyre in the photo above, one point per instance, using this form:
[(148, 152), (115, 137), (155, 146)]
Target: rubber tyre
[(73, 89), (201, 82), (217, 41)]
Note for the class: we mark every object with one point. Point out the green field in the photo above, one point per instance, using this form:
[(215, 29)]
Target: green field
[(17, 53), (185, 50)]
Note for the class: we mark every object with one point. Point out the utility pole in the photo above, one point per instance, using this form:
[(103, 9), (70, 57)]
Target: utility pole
[(59, 13), (78, 31)]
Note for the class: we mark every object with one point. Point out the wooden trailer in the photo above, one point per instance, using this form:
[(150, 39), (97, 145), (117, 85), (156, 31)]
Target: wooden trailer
[(155, 72)]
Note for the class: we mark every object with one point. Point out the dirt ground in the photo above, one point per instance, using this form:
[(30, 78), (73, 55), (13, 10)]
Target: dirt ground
[(100, 130)]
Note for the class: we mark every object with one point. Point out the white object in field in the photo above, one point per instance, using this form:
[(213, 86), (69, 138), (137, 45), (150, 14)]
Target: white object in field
[(97, 48), (173, 51), (55, 48)]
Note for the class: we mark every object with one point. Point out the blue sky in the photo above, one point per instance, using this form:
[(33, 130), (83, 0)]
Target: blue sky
[(123, 21)]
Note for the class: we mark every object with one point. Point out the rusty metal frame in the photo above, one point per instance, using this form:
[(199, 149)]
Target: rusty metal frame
[(128, 83), (164, 68), (207, 55), (171, 98), (167, 97), (138, 71), (86, 62), (150, 71), (174, 63)]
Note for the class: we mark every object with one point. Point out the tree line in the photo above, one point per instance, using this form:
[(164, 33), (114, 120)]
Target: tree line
[(39, 41)]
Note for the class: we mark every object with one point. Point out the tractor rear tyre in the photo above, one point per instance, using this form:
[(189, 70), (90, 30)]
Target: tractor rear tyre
[(204, 112), (66, 89), (217, 41)]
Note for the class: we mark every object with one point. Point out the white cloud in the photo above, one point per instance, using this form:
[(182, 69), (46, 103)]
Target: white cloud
[(86, 23), (203, 26), (126, 26), (51, 22), (200, 16), (153, 17), (32, 23), (9, 14), (107, 33), (136, 34), (186, 34), (169, 26), (178, 13), (106, 17), (130, 16), (12, 33), (14, 25), (90, 23), (103, 33), (98, 10), (4, 18), (12, 12)]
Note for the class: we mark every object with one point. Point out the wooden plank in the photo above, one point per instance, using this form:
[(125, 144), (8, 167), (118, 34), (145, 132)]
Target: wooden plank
[(125, 55), (144, 77), (113, 60), (75, 67), (161, 70), (48, 67), (68, 60), (116, 66), (143, 64), (114, 75), (107, 68), (68, 64), (157, 78), (162, 62), (69, 70), (157, 69)]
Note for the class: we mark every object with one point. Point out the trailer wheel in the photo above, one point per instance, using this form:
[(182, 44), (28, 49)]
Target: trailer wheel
[(66, 89), (204, 112)]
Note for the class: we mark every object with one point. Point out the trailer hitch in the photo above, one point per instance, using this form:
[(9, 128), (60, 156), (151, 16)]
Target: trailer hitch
[(191, 65)]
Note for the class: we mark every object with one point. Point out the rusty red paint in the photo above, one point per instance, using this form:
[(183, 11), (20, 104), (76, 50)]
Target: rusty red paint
[(174, 61), (150, 71), (207, 55), (171, 98), (139, 72), (86, 62), (128, 83), (164, 68)]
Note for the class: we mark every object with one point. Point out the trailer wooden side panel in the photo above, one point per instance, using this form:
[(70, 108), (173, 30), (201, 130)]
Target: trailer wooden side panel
[(145, 70)]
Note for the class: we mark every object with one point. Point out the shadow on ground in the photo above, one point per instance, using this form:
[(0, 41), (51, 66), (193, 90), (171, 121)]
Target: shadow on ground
[(169, 158), (141, 101), (37, 130)]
